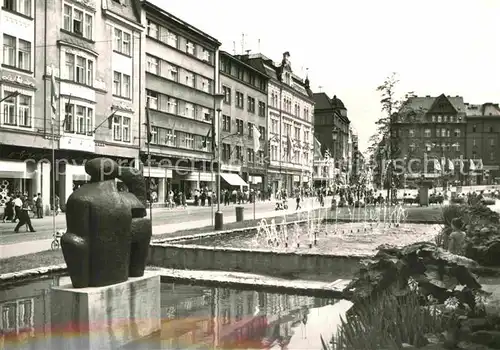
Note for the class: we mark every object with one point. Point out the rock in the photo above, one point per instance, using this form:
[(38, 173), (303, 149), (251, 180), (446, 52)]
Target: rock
[(488, 338)]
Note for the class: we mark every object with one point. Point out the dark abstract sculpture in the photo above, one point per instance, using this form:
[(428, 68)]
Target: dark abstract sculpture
[(108, 232)]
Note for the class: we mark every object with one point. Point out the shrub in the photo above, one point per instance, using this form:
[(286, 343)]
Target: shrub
[(390, 321)]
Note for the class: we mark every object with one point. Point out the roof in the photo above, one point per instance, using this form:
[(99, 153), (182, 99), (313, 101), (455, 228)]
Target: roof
[(243, 63), (485, 110), (424, 104), (324, 102), (148, 5)]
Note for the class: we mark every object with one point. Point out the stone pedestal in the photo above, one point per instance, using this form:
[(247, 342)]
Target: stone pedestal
[(105, 317)]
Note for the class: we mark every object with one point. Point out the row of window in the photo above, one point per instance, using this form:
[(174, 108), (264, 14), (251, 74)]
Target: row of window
[(180, 75), (439, 132), (287, 131), (22, 7), (446, 147), (237, 154), (242, 74), (226, 126), (287, 106), (78, 119), (292, 156), (172, 39), (172, 105), (240, 101)]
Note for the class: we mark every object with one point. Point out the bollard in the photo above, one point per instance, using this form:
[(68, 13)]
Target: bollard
[(239, 214)]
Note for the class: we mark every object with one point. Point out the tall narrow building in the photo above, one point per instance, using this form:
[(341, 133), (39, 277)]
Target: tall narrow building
[(181, 80), (290, 124)]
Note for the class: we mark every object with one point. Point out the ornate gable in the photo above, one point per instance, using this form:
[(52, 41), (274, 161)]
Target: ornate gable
[(442, 105), (125, 8)]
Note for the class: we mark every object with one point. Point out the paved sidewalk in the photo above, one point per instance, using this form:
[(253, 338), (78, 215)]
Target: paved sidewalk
[(29, 247)]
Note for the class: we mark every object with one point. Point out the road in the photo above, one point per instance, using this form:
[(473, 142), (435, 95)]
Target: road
[(164, 221)]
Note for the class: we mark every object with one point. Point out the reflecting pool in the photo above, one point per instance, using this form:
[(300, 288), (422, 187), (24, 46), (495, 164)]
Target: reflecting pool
[(192, 317)]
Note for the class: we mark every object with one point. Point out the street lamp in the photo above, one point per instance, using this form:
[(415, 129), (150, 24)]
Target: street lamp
[(219, 220), (13, 94)]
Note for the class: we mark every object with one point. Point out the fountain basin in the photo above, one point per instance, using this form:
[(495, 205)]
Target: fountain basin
[(336, 253)]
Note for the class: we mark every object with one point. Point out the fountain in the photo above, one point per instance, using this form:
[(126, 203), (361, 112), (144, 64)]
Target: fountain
[(311, 245)]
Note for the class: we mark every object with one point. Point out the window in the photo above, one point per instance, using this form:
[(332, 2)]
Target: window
[(152, 99), (428, 147), (274, 126), (296, 156), (411, 133), (122, 42), (170, 138), (439, 119), (239, 100), (205, 85), (190, 48), (171, 39), (121, 129), (427, 133), (154, 134), (250, 155), (239, 126), (207, 113), (433, 118), (189, 110), (262, 131), (250, 130), (457, 132), (9, 50), (16, 52), (474, 128), (204, 55), (78, 119), (240, 73), (492, 142), (152, 29), (474, 143), (306, 136), (190, 79), (77, 21), (226, 123), (171, 105), (121, 84), (297, 133), (172, 72), (492, 155), (239, 153), (251, 104), (152, 64), (262, 109), (79, 69), (16, 110), (226, 151), (227, 94)]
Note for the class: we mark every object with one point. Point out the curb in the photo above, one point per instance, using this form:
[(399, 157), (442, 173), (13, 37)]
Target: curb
[(39, 272)]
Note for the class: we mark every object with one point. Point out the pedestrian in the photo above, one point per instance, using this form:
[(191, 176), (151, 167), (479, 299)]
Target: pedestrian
[(183, 199), (8, 213), (298, 201), (18, 203), (39, 206), (24, 218)]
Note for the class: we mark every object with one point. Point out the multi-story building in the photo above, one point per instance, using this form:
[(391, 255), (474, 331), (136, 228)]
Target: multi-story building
[(483, 138), (243, 121), (331, 126), (429, 130), (181, 80), (289, 125), (93, 80)]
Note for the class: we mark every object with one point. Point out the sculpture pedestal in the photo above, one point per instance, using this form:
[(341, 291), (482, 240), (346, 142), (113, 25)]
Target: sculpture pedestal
[(105, 317)]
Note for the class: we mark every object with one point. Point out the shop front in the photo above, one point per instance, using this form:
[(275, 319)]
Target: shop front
[(158, 180), (193, 180)]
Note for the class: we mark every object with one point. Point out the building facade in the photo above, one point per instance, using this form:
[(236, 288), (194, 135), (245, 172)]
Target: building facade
[(430, 130), (96, 97), (181, 79), (243, 120), (332, 126), (289, 125), (483, 138)]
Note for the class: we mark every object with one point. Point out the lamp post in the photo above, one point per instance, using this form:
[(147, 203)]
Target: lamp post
[(219, 220), (334, 156)]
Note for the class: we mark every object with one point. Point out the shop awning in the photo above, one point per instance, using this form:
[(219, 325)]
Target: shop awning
[(233, 179)]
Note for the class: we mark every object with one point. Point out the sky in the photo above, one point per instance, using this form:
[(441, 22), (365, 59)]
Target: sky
[(349, 47)]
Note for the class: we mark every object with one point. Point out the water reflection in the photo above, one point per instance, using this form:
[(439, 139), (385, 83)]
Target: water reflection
[(192, 317)]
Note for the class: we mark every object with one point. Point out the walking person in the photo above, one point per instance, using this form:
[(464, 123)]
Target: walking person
[(297, 199), (18, 203), (24, 218), (39, 206)]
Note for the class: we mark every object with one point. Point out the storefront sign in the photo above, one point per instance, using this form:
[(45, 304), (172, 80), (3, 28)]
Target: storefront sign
[(227, 167), (78, 143)]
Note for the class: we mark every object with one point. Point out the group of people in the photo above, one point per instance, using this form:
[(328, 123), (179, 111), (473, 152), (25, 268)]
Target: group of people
[(18, 209)]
